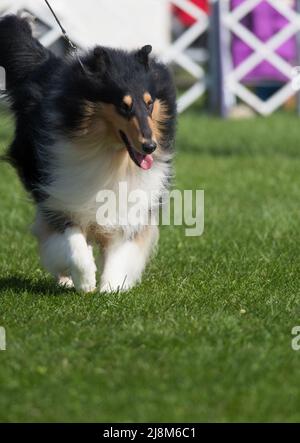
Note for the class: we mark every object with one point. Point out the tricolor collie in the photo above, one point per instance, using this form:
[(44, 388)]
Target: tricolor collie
[(82, 126)]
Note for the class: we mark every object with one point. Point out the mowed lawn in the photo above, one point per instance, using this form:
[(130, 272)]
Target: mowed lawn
[(207, 335)]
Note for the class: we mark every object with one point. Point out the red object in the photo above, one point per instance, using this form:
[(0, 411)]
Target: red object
[(185, 18)]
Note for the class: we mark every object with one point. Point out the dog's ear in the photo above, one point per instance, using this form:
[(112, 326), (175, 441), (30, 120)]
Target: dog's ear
[(143, 55), (28, 18), (99, 61)]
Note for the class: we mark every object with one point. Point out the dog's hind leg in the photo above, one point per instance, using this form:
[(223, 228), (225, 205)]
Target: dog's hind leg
[(125, 260), (67, 256)]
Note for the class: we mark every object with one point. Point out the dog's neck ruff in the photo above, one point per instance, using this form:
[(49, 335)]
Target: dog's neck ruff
[(79, 172)]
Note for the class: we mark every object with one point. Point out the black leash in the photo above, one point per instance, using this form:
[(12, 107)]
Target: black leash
[(65, 35)]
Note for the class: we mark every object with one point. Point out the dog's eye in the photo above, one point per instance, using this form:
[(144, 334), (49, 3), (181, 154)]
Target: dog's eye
[(150, 106), (126, 107)]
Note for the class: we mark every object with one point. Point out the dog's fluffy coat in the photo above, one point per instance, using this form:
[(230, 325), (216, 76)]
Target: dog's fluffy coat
[(81, 128)]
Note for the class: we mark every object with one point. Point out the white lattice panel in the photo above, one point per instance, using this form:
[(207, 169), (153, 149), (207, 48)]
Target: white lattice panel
[(262, 51), (177, 53)]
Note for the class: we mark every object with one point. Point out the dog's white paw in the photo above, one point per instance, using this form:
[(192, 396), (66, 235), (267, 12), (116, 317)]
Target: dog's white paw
[(117, 285), (83, 269), (87, 289), (65, 282), (84, 282)]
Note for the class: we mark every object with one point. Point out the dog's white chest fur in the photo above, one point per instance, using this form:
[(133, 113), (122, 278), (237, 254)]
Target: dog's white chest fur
[(80, 174)]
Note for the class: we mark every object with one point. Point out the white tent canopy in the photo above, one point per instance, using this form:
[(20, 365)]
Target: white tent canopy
[(110, 23)]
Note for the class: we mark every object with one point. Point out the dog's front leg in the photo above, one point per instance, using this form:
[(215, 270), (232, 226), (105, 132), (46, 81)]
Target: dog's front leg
[(67, 255), (125, 260), (82, 264)]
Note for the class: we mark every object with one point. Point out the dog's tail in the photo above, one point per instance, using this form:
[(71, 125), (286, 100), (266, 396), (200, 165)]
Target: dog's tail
[(20, 52)]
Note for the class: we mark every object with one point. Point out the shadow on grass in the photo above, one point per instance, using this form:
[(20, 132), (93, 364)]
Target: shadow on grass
[(21, 285)]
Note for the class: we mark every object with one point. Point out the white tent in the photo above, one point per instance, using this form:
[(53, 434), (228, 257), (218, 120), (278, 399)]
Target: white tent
[(114, 23)]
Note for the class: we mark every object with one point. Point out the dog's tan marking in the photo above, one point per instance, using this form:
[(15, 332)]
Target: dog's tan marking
[(102, 237), (128, 100), (136, 123), (160, 112), (147, 240), (147, 98), (89, 110), (159, 117), (138, 130)]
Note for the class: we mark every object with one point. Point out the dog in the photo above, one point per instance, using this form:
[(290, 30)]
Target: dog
[(84, 124)]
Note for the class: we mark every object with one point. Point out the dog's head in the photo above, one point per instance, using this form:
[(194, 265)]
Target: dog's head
[(132, 95)]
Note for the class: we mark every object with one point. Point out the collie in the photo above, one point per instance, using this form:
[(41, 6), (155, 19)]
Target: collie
[(82, 126)]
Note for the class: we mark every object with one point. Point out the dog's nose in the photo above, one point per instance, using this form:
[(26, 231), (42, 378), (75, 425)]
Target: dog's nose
[(149, 147)]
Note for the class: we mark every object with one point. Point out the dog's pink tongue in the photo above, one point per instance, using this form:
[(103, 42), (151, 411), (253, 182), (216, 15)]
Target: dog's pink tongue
[(147, 162)]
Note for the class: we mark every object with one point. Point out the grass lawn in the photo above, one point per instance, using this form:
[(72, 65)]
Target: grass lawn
[(207, 335)]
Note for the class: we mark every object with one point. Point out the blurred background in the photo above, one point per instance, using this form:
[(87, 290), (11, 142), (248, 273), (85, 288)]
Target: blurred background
[(232, 57)]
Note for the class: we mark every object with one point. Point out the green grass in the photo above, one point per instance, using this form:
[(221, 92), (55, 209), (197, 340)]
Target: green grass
[(178, 347)]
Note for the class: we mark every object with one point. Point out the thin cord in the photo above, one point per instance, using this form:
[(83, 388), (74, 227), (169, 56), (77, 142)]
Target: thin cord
[(64, 32)]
